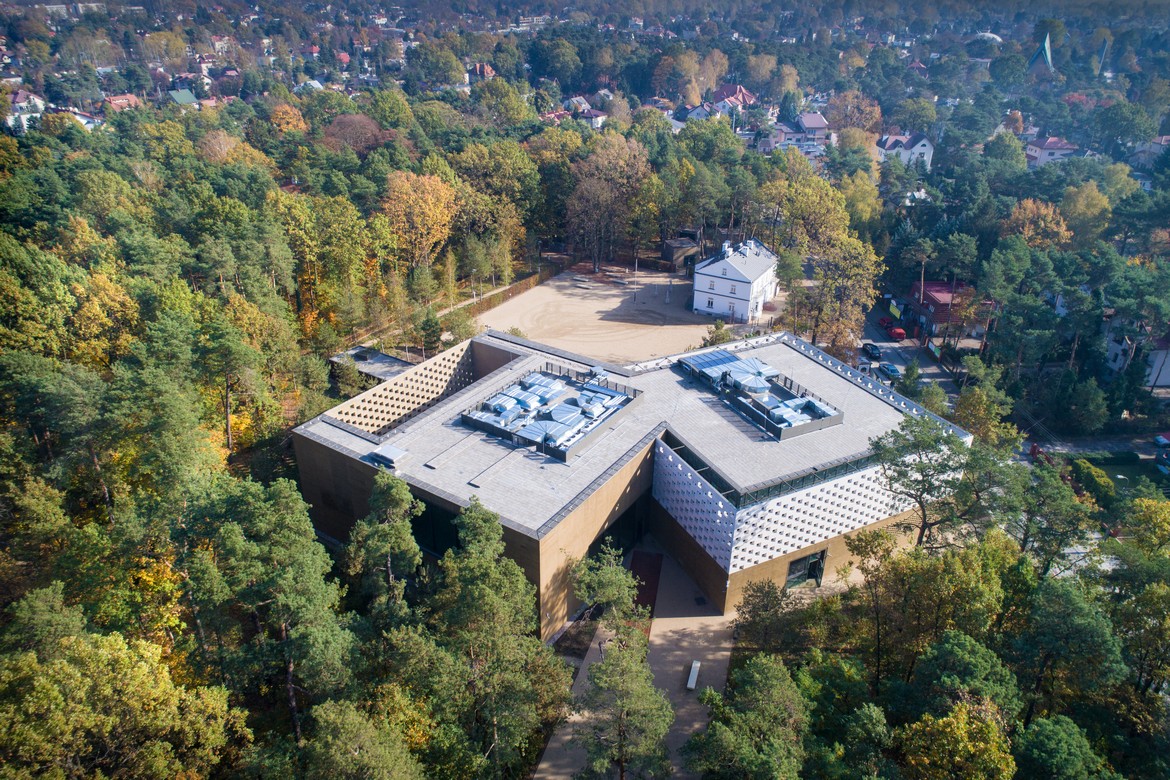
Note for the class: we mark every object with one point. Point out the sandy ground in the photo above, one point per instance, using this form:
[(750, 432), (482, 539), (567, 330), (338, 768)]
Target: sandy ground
[(600, 318)]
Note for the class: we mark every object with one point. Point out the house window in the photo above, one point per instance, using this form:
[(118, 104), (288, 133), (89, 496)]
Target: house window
[(711, 285), (725, 272), (732, 289), (710, 303), (810, 567)]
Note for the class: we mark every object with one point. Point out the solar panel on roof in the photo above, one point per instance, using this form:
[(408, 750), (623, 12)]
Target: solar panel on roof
[(712, 359)]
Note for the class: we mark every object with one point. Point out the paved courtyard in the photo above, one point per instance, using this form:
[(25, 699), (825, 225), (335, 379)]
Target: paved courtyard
[(685, 628), (597, 316)]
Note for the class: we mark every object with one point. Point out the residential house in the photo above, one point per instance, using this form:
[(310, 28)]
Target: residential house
[(1158, 362), (735, 284), (815, 127), (701, 112), (184, 98), (910, 149), (24, 107), (1148, 153), (594, 118), (555, 117), (945, 308), (480, 71), (576, 104), (116, 103), (918, 69), (87, 121), (810, 134), (1049, 149), (191, 81), (736, 93), (312, 85)]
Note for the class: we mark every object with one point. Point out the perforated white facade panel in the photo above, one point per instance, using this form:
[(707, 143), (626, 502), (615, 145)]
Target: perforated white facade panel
[(699, 508), (798, 520)]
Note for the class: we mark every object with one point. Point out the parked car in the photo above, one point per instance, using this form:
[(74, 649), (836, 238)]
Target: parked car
[(896, 333), (1162, 439), (872, 351), (891, 371), (886, 322)]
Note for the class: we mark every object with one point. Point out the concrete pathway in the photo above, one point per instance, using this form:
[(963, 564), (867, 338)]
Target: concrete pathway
[(683, 630)]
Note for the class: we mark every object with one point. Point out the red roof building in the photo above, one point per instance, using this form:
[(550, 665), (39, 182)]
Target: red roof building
[(116, 103), (937, 305), (480, 71), (1042, 151), (743, 96)]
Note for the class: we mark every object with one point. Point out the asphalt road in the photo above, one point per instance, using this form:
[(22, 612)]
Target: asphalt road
[(902, 353)]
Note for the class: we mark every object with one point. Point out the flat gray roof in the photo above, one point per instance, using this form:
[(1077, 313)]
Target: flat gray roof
[(531, 491)]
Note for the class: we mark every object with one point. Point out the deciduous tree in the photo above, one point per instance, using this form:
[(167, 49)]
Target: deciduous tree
[(419, 211)]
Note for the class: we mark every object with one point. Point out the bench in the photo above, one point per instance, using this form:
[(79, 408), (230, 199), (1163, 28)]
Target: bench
[(693, 680)]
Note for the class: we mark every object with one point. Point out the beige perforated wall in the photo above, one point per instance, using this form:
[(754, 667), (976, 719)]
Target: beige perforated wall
[(409, 393)]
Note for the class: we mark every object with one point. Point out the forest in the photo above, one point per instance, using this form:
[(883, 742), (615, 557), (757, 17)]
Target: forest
[(173, 281)]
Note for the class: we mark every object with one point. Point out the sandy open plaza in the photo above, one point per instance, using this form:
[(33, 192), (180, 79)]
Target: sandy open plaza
[(596, 315)]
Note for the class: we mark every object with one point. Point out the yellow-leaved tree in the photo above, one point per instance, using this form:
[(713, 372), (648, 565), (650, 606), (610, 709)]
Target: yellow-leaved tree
[(419, 211)]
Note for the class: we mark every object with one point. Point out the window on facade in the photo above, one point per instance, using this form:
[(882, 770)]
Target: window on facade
[(733, 289), (725, 272), (711, 285), (710, 303), (810, 567)]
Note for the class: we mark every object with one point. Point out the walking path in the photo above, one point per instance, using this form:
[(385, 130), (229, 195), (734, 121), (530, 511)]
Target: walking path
[(685, 628)]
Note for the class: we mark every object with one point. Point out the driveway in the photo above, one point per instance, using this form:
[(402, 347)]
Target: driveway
[(902, 353)]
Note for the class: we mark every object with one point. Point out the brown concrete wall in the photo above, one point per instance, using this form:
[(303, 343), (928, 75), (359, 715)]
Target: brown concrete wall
[(488, 357), (336, 487), (777, 568), (571, 538), (695, 561)]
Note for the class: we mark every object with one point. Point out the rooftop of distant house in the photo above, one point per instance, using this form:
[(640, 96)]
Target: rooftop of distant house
[(1053, 143), (890, 143)]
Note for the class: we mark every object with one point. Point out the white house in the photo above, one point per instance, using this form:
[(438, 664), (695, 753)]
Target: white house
[(1042, 151), (910, 149), (24, 107), (735, 284)]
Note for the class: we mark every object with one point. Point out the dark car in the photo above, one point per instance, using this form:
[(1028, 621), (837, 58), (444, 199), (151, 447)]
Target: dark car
[(886, 322), (897, 334), (872, 351), (891, 371)]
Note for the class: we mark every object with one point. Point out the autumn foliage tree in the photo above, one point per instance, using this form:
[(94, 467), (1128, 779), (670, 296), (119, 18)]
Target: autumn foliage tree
[(288, 119), (419, 212), (608, 179), (853, 109), (1040, 224)]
